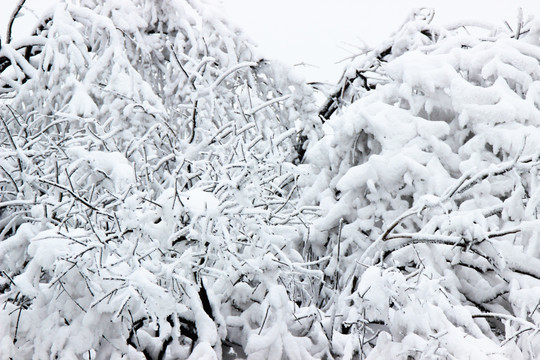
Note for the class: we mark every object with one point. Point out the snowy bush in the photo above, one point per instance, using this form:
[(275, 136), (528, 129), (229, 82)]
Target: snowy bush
[(428, 179), (149, 203), (167, 193)]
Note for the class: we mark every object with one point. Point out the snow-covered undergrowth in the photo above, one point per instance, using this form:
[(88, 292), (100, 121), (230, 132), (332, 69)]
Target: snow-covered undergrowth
[(167, 193)]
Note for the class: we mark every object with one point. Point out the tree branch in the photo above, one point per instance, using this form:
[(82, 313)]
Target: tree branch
[(12, 19)]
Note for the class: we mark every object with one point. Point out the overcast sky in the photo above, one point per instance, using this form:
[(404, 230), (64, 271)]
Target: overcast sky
[(322, 32)]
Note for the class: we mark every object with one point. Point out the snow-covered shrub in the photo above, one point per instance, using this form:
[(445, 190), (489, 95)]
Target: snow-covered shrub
[(149, 194), (427, 177)]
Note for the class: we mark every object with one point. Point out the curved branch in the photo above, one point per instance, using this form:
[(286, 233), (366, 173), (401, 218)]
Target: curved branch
[(11, 56), (505, 317), (21, 51), (12, 19)]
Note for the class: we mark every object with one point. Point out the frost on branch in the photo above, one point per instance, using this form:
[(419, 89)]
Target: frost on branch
[(428, 180), (149, 203)]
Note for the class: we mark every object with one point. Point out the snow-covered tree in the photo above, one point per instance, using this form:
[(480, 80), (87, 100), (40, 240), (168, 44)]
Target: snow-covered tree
[(168, 193), (149, 203), (428, 179)]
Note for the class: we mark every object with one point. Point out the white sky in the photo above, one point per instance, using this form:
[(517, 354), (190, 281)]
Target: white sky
[(318, 31), (322, 32)]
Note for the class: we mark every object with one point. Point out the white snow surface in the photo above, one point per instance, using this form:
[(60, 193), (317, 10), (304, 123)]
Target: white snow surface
[(113, 165)]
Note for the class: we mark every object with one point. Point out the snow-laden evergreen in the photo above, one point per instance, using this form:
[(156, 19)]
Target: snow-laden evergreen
[(428, 179), (167, 193)]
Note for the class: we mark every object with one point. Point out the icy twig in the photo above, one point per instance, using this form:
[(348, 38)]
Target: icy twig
[(264, 320), (224, 75), (519, 23), (10, 178), (17, 203), (258, 108), (77, 197), (71, 297)]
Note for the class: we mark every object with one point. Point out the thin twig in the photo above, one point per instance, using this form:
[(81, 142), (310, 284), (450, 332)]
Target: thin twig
[(17, 324), (10, 178), (80, 199), (71, 297), (264, 320)]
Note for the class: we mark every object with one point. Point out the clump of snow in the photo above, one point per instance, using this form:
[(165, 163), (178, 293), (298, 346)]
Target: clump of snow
[(198, 202), (113, 165)]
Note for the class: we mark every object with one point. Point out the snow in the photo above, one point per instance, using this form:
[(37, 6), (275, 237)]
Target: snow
[(113, 165), (168, 189), (16, 243), (199, 202)]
